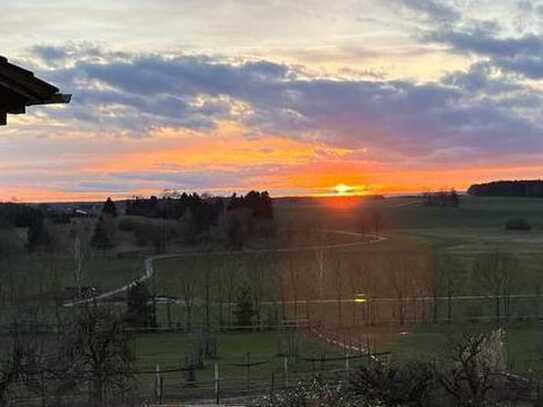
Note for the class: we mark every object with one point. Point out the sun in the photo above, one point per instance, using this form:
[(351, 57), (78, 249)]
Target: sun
[(343, 189)]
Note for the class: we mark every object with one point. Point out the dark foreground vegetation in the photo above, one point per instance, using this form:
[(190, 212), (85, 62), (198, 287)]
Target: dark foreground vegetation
[(84, 359), (471, 371)]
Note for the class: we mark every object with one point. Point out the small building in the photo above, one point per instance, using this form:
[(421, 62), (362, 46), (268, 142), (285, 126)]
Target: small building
[(19, 89)]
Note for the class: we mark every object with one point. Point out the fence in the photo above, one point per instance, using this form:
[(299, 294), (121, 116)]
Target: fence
[(248, 376)]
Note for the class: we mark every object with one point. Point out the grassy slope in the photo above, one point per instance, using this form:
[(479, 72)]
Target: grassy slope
[(523, 344)]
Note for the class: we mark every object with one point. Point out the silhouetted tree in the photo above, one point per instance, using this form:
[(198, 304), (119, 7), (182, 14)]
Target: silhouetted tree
[(391, 385), (495, 271), (101, 238), (110, 208), (101, 346), (244, 307), (140, 311), (473, 372), (524, 188)]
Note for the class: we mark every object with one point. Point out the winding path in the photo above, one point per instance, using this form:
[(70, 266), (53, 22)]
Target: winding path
[(149, 269)]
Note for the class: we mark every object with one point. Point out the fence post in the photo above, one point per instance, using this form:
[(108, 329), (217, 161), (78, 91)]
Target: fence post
[(285, 368), (217, 384), (248, 372), (158, 385), (272, 390), (347, 360)]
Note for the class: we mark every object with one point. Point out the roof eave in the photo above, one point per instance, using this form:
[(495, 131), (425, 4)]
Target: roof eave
[(59, 98)]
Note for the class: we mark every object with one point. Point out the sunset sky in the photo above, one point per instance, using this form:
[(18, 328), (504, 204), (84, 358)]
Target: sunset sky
[(296, 97)]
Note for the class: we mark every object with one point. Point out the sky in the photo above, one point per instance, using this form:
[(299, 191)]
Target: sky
[(293, 97)]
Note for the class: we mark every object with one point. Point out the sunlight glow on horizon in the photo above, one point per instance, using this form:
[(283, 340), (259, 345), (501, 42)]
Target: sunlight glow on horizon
[(343, 189)]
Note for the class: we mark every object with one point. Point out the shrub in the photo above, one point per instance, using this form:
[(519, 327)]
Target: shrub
[(517, 224)]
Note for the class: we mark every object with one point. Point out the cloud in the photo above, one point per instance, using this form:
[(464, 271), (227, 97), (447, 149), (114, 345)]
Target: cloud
[(530, 67), (134, 94), (432, 10), (483, 42), (481, 77), (520, 55)]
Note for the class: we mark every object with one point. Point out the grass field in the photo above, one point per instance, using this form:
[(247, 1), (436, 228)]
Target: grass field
[(421, 243), (523, 344), (264, 352)]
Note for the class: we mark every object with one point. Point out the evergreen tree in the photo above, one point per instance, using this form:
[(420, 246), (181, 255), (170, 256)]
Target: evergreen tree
[(140, 310), (100, 238), (244, 308), (110, 208)]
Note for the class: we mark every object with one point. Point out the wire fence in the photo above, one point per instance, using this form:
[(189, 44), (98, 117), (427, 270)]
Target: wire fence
[(248, 376)]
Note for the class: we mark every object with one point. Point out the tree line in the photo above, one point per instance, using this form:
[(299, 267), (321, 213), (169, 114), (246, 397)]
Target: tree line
[(205, 209), (522, 188), (441, 198), (235, 219)]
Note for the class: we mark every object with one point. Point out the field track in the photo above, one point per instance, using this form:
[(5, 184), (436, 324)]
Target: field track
[(149, 269)]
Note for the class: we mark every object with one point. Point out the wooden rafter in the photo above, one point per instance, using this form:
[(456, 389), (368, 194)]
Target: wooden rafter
[(19, 88)]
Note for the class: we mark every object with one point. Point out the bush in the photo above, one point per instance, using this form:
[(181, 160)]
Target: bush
[(517, 224)]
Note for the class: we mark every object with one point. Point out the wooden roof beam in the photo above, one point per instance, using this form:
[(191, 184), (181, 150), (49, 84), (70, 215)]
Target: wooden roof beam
[(19, 88)]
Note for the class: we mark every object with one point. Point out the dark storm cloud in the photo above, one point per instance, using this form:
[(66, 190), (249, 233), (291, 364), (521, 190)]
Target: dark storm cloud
[(463, 111)]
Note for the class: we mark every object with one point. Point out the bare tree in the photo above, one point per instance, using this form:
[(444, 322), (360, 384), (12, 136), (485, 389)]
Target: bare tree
[(473, 372), (188, 286), (221, 292), (53, 369), (292, 268), (12, 368), (390, 385), (230, 290), (433, 276), (400, 280), (338, 285), (207, 297), (257, 282), (452, 281), (100, 344), (321, 259), (495, 271)]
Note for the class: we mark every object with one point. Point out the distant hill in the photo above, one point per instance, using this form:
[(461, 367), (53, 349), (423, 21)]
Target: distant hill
[(523, 188)]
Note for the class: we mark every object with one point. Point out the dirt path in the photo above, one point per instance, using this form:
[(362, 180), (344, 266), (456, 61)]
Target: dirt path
[(149, 269)]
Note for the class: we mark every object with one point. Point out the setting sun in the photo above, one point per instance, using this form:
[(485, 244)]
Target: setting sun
[(343, 189)]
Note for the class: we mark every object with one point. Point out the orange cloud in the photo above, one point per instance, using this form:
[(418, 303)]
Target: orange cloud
[(226, 148), (284, 166)]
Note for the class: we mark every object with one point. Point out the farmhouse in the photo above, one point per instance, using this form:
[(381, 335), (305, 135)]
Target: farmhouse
[(19, 88)]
